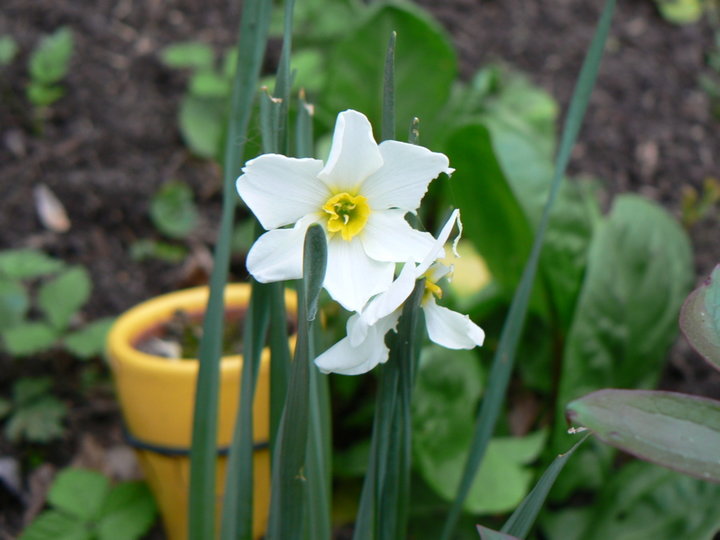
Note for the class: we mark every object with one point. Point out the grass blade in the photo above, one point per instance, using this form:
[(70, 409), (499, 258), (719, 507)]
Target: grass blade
[(505, 355), (394, 501), (288, 481), (388, 116), (522, 519), (237, 517), (203, 455)]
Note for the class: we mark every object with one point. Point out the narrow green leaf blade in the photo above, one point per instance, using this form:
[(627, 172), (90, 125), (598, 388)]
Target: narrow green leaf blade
[(522, 519), (287, 506), (677, 431), (251, 48), (700, 319), (489, 534), (505, 355)]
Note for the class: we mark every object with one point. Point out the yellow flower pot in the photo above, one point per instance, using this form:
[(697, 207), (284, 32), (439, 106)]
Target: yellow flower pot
[(157, 399)]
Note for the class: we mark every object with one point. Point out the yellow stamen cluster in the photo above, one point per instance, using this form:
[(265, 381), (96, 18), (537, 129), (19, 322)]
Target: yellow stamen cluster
[(347, 214), (431, 289)]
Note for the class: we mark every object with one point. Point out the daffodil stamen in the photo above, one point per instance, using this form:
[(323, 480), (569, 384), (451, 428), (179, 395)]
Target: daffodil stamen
[(347, 214)]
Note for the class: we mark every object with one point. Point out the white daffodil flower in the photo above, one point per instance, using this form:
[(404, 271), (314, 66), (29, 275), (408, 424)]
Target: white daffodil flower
[(360, 197), (364, 347)]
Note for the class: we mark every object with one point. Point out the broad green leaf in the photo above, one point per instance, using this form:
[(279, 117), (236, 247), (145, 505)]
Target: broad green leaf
[(43, 95), (638, 273), (90, 340), (8, 49), (209, 84), (479, 180), (681, 11), (448, 387), (58, 526), (127, 513), (700, 318), (202, 122), (50, 60), (423, 74), (642, 502), (564, 255), (14, 302), (173, 210), (62, 296), (79, 492), (27, 263), (38, 420), (678, 431), (29, 338), (318, 20), (191, 54)]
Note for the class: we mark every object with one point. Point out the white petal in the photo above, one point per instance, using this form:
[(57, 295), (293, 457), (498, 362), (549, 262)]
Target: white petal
[(404, 177), (437, 252), (451, 329), (352, 277), (388, 237), (280, 190), (277, 255), (354, 154), (387, 302), (346, 359)]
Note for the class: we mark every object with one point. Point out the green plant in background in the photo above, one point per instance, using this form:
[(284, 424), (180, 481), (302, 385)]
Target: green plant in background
[(39, 299), (174, 213), (681, 11), (8, 50), (202, 111), (601, 291), (48, 65), (33, 414), (86, 507)]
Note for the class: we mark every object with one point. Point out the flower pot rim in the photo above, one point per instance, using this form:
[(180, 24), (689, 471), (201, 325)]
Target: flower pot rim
[(129, 326)]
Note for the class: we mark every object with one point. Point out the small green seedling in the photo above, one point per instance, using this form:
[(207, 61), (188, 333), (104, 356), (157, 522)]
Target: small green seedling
[(33, 414), (174, 213), (680, 11), (697, 207), (39, 299), (8, 50), (203, 108), (48, 65), (86, 507)]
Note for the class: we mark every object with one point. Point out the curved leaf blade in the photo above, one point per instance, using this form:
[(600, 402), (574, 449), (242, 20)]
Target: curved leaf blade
[(674, 430), (700, 319)]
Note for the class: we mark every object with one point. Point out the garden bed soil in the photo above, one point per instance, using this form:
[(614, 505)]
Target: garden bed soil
[(107, 146)]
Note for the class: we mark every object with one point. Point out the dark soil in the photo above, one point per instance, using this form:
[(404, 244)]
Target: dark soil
[(108, 145)]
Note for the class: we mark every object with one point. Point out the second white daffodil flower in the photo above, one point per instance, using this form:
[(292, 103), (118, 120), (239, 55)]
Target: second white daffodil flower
[(364, 347), (360, 197)]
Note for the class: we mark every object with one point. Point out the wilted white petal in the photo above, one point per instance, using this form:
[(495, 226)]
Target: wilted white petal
[(404, 177), (346, 359), (354, 154), (280, 190), (387, 302), (352, 277), (451, 329), (388, 237), (278, 254)]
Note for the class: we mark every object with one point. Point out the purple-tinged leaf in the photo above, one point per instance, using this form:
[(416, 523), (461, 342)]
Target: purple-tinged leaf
[(700, 318), (489, 534), (678, 431)]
